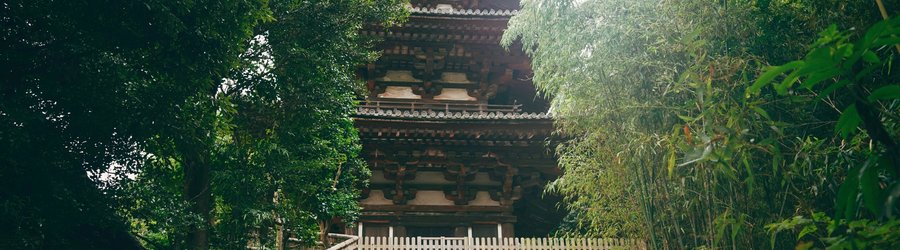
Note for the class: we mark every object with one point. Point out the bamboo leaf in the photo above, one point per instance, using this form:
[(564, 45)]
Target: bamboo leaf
[(848, 121), (870, 57), (873, 196), (820, 76), (770, 75), (848, 194), (885, 93), (670, 165), (832, 88), (788, 81), (762, 112), (751, 179), (890, 41), (687, 118)]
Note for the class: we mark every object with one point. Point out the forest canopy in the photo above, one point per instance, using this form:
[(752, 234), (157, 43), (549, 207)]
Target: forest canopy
[(180, 124)]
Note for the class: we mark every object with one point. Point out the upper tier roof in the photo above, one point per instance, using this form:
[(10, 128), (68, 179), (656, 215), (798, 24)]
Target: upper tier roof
[(462, 12), (451, 115)]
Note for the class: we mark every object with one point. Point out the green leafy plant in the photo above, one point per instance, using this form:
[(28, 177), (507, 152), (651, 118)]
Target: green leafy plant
[(820, 231), (835, 63)]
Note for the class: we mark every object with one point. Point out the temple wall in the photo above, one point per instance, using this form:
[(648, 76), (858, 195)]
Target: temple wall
[(376, 197), (430, 197), (483, 198)]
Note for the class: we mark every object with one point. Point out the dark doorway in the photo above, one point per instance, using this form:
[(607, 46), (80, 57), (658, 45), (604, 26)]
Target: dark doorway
[(429, 231), (538, 213), (484, 231), (376, 230)]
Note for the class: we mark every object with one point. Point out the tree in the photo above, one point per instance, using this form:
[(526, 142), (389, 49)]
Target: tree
[(279, 144), (183, 124), (86, 85)]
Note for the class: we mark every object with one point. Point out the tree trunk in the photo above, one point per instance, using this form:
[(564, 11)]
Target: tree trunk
[(323, 232), (197, 192), (279, 224)]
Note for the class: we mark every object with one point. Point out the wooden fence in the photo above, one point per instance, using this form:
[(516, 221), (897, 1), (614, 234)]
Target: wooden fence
[(465, 243)]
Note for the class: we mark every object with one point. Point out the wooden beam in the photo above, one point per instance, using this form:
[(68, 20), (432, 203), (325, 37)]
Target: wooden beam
[(438, 209)]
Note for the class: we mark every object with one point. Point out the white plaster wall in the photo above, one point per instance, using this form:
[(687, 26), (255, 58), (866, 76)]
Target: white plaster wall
[(430, 197), (399, 92), (454, 94), (454, 77), (483, 198), (376, 197), (398, 76)]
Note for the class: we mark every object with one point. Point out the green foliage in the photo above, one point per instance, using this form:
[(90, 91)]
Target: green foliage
[(665, 142), (179, 123), (86, 84), (282, 147), (821, 231), (843, 66)]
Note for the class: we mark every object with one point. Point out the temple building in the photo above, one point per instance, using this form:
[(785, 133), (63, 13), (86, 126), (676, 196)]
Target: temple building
[(453, 130)]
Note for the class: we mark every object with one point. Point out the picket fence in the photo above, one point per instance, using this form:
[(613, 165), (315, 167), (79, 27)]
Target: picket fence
[(466, 243)]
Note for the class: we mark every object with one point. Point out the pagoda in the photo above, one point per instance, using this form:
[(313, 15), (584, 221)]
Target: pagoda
[(452, 128)]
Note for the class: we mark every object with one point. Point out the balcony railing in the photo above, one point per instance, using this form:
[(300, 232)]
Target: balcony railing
[(438, 107), (408, 243)]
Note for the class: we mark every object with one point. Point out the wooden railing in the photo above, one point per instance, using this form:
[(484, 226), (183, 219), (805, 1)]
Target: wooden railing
[(437, 107), (344, 241), (464, 243)]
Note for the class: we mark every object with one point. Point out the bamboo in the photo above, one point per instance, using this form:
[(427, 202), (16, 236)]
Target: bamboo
[(884, 15)]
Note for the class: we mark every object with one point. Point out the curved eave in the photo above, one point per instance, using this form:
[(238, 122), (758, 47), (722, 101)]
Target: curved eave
[(459, 116), (462, 12)]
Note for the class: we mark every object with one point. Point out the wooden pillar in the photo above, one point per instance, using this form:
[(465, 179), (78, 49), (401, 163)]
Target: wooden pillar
[(399, 231), (460, 231), (507, 230)]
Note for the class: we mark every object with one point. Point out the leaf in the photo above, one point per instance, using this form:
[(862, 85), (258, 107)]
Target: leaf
[(687, 118), (785, 85), (819, 76), (776, 158), (847, 195), (874, 32), (804, 245), (832, 88), (848, 121), (762, 112), (870, 57), (808, 229), (890, 41), (873, 196), (889, 92), (670, 165), (893, 196), (770, 75), (751, 179)]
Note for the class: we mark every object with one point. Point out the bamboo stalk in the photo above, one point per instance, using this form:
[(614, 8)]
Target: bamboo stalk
[(884, 15)]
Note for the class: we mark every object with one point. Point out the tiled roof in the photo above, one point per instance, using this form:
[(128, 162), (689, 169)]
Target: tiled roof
[(441, 115), (412, 36), (463, 12)]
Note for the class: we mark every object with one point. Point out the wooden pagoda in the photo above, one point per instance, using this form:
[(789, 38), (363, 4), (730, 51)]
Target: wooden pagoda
[(452, 129)]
